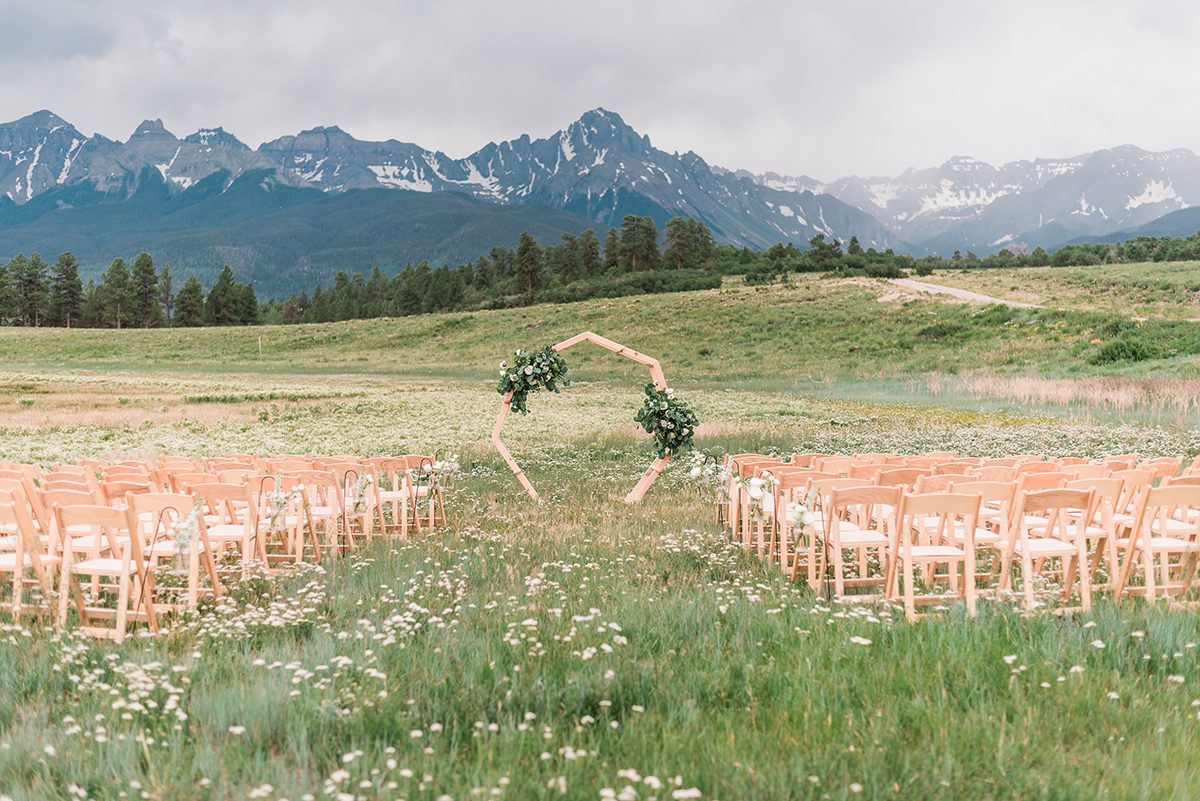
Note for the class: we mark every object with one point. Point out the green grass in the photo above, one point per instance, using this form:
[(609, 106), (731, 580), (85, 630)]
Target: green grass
[(793, 335), (495, 639), (1155, 289), (490, 642)]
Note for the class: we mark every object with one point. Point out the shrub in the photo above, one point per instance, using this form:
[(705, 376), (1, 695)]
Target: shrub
[(941, 330), (652, 282), (1124, 350), (883, 271)]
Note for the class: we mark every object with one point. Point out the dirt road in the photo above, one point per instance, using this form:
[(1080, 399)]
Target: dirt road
[(965, 295)]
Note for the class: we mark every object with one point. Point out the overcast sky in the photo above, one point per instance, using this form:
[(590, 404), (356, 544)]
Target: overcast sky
[(823, 88)]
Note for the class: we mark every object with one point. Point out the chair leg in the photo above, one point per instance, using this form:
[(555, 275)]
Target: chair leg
[(1027, 577), (968, 580), (123, 608), (1148, 567), (839, 570), (1085, 578), (910, 604), (1069, 567)]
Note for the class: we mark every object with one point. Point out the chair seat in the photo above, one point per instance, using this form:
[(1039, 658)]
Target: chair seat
[(8, 561), (983, 536), (936, 552), (90, 542), (1171, 525), (104, 566), (860, 537), (1165, 544), (1047, 546), (226, 531)]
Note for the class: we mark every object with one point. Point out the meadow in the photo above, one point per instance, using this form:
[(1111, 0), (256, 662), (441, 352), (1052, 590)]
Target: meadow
[(582, 648)]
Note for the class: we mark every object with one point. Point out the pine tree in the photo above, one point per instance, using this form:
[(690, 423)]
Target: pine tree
[(854, 249), (681, 245), (7, 296), (566, 259), (113, 296), (529, 263), (220, 306), (66, 292), (89, 310), (612, 251), (639, 243), (589, 254), (247, 304), (29, 277), (144, 310), (166, 298), (189, 303)]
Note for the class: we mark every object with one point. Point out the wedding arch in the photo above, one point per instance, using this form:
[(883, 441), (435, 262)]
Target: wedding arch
[(656, 376)]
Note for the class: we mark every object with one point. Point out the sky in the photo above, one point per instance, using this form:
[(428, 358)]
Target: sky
[(819, 88)]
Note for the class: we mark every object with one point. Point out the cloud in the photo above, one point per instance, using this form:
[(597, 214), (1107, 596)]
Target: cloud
[(824, 89)]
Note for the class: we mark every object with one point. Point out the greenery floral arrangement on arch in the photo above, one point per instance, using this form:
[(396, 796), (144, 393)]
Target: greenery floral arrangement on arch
[(670, 420), (529, 372)]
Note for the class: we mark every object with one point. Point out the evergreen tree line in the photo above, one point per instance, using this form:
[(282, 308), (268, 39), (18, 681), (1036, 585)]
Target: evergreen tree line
[(629, 260), (827, 255), (34, 293)]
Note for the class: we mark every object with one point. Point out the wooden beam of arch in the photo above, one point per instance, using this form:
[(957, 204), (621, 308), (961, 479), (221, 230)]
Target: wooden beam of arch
[(656, 375)]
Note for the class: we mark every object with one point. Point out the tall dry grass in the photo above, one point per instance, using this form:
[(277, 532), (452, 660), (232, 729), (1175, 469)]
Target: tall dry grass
[(1156, 397)]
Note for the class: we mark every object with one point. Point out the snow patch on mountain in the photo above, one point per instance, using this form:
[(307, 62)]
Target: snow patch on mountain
[(1156, 191)]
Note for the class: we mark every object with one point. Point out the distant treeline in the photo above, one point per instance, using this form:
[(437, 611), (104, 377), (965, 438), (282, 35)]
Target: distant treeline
[(628, 262), (825, 255), (34, 293)]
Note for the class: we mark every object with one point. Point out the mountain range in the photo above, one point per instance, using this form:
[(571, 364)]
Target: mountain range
[(56, 183), (299, 207), (966, 204)]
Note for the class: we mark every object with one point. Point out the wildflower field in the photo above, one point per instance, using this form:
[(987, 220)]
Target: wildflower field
[(580, 648)]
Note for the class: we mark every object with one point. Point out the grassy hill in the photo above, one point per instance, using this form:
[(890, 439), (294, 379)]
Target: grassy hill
[(812, 331), (1168, 290)]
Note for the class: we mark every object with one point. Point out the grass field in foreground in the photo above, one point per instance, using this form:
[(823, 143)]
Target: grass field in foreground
[(583, 649), (563, 650)]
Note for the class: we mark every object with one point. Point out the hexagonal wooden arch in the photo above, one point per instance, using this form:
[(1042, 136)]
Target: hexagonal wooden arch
[(656, 375)]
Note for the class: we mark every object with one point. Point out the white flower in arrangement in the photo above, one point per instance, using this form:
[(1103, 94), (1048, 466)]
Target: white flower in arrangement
[(529, 370), (755, 488), (184, 530), (696, 472), (360, 490)]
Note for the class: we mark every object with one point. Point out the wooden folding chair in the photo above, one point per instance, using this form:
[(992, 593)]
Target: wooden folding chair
[(1167, 524), (119, 570), (1061, 536), (29, 562), (155, 516), (924, 538), (873, 509)]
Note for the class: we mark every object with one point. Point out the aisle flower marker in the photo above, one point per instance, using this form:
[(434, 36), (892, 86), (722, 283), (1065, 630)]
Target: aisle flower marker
[(671, 421)]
